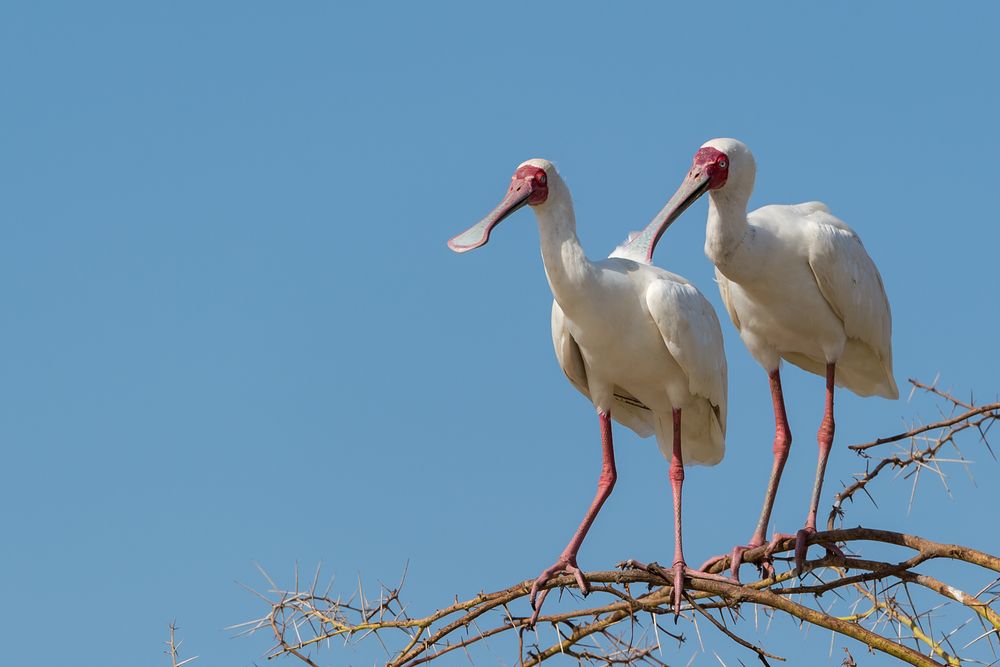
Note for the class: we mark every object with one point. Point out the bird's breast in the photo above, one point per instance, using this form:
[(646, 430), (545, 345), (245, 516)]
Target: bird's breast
[(788, 312), (622, 346)]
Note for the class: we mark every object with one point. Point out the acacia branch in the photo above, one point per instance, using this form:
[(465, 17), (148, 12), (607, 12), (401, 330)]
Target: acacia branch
[(762, 655), (892, 609), (989, 411), (628, 623), (290, 610), (173, 649), (980, 418)]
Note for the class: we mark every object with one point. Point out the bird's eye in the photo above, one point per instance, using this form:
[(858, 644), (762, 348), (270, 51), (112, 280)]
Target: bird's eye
[(723, 164), (540, 178)]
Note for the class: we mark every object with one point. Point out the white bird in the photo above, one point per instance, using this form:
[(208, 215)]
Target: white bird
[(798, 285), (643, 344)]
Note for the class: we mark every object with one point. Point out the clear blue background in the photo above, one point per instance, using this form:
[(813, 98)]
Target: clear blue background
[(232, 331)]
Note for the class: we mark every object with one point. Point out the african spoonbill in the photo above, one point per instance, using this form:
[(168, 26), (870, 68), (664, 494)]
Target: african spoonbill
[(641, 343), (799, 286)]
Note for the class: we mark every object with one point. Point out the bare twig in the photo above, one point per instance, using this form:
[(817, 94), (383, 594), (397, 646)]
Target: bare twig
[(923, 451), (623, 626), (173, 649)]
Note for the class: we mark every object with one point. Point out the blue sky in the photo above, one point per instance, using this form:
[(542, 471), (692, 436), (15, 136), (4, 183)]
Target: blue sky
[(233, 332)]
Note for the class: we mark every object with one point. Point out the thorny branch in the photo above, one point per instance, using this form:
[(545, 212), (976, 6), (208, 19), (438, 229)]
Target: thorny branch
[(173, 649), (893, 606), (924, 443)]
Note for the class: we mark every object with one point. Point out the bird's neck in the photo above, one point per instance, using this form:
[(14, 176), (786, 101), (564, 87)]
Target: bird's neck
[(727, 230), (566, 265)]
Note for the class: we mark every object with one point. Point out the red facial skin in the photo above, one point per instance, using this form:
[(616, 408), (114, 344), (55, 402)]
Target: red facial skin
[(712, 162), (534, 178), (529, 185)]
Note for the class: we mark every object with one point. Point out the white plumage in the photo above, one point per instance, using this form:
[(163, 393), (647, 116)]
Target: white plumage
[(636, 340), (641, 343), (687, 358), (799, 285), (806, 290)]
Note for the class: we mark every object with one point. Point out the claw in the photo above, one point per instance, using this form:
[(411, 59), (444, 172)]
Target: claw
[(736, 560), (536, 608), (801, 547), (534, 594), (772, 546), (580, 581), (678, 588), (711, 562), (537, 595), (765, 567), (776, 540)]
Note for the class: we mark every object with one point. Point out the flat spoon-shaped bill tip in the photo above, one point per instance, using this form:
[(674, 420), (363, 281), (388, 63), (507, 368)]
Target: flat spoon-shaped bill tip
[(478, 234), (475, 236)]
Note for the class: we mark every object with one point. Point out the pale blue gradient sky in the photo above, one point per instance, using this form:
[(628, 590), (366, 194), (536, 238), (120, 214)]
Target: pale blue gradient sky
[(233, 331)]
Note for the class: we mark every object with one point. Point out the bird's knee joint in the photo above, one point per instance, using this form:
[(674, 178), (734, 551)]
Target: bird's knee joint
[(676, 473), (782, 441), (826, 431)]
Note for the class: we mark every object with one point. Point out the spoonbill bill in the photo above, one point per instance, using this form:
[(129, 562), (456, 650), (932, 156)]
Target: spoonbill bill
[(643, 344), (799, 286)]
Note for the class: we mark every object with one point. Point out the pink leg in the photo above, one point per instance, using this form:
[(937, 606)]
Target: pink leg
[(677, 484), (680, 568), (782, 443), (825, 440), (567, 560)]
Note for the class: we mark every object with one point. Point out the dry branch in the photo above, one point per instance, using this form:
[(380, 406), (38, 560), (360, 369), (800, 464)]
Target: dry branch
[(922, 450), (623, 627), (173, 649)]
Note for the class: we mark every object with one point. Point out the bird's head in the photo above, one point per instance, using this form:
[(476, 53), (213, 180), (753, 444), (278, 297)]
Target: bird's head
[(722, 166), (726, 164), (531, 184)]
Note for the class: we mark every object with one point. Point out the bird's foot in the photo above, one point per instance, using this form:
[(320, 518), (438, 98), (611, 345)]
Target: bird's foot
[(765, 566), (565, 565), (678, 584), (676, 577), (801, 546)]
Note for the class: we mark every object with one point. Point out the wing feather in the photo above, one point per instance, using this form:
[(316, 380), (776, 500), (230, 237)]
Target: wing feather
[(568, 352), (692, 333), (850, 282), (628, 410), (723, 282)]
